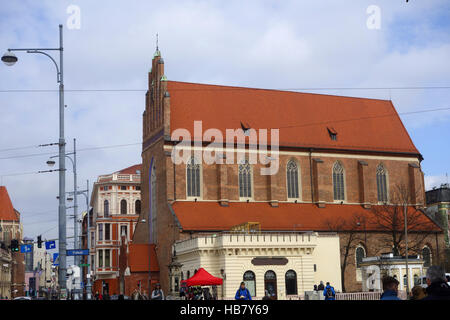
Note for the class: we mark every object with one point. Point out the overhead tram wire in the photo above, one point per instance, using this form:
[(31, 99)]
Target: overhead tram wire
[(78, 150), (285, 127), (231, 88)]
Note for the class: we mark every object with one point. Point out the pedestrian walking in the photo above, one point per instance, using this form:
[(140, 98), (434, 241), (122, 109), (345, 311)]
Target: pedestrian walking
[(329, 292), (390, 288), (418, 293), (266, 295), (437, 289), (157, 293), (315, 287), (242, 293), (145, 296), (321, 287), (136, 295)]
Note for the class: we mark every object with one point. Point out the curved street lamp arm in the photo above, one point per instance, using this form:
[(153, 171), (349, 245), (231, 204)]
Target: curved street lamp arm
[(58, 74)]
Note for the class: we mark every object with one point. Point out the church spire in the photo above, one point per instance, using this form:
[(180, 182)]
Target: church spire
[(157, 52)]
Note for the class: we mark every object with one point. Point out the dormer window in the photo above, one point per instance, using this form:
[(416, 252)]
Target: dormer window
[(332, 133)]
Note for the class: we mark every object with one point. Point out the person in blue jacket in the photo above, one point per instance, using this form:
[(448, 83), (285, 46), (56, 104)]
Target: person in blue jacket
[(329, 292), (390, 287), (243, 293)]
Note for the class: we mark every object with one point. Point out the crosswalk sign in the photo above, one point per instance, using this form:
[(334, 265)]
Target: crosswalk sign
[(50, 245)]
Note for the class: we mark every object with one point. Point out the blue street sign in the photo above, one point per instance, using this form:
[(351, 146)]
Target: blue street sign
[(81, 252), (50, 245), (26, 248), (55, 257)]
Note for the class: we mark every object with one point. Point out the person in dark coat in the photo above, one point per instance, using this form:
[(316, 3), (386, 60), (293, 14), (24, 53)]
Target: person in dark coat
[(437, 289), (329, 292), (321, 287), (242, 293), (390, 287)]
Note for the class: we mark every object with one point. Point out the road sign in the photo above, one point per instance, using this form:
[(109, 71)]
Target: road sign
[(26, 248), (50, 245), (80, 252), (55, 257)]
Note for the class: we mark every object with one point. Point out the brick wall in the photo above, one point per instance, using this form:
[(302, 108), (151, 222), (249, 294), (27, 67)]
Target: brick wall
[(376, 245)]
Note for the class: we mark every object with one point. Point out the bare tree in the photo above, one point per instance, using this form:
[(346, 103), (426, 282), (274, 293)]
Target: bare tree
[(389, 219)]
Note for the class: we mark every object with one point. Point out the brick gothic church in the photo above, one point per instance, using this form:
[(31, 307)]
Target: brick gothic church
[(337, 156)]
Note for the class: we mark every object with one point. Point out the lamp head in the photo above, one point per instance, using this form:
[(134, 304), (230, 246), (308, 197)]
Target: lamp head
[(9, 58), (50, 163)]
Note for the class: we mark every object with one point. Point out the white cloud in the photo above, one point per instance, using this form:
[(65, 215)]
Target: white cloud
[(435, 181), (271, 44)]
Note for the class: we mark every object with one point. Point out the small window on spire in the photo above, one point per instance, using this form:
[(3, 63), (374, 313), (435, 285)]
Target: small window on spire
[(332, 133)]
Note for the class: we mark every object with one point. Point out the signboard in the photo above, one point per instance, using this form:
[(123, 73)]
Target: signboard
[(55, 257), (50, 245), (26, 248), (84, 265), (80, 252)]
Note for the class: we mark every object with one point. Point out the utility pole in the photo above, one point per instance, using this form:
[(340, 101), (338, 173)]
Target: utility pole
[(10, 59), (406, 249), (75, 202)]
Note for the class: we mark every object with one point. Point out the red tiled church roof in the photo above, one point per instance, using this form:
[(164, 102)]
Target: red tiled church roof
[(303, 118), (210, 216), (138, 257), (7, 211)]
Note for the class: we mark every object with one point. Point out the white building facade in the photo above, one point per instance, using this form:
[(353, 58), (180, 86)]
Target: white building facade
[(284, 264)]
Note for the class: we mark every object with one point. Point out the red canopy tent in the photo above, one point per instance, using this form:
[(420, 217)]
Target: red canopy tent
[(203, 278)]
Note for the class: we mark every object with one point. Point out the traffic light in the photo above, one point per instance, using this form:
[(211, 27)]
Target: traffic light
[(39, 241), (14, 245)]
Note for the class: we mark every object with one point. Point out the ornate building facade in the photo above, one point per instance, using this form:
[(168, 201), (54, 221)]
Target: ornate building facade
[(336, 159), (116, 205)]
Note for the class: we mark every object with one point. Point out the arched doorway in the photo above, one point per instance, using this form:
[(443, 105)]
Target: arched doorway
[(270, 284), (291, 282), (250, 282)]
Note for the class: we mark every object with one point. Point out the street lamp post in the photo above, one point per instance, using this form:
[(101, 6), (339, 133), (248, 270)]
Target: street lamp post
[(9, 59)]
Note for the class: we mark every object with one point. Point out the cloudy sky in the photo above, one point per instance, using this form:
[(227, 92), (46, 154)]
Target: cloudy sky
[(269, 44)]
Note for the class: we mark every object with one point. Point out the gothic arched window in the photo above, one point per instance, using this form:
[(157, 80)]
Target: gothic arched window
[(193, 178), (381, 183), (292, 179), (245, 180), (338, 181)]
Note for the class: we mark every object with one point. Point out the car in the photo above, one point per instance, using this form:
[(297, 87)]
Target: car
[(22, 298)]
